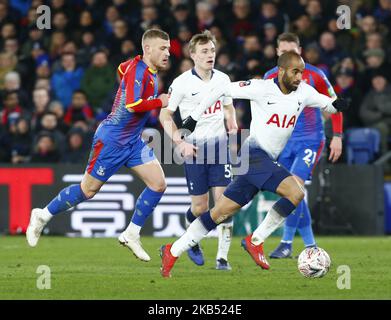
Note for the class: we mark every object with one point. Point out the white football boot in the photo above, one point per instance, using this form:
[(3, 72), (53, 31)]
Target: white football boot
[(38, 221), (134, 244)]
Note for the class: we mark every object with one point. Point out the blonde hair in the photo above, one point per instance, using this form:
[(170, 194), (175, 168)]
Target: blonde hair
[(153, 34), (201, 38)]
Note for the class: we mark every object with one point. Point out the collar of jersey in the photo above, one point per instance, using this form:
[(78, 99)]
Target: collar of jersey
[(193, 72), (140, 59)]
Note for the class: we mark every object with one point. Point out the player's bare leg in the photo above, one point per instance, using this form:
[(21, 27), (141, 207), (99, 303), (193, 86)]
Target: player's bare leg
[(224, 231), (197, 230), (199, 205), (89, 186), (153, 176)]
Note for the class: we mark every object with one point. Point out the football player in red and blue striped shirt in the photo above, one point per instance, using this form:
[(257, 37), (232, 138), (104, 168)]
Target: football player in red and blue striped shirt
[(117, 142)]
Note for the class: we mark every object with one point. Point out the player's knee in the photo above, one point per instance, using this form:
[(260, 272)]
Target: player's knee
[(296, 196), (159, 186), (90, 192), (199, 208)]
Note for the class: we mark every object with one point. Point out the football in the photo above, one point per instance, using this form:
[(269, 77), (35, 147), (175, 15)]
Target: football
[(313, 262)]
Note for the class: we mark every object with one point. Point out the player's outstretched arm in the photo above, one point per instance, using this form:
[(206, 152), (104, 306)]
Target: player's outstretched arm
[(249, 89), (314, 99)]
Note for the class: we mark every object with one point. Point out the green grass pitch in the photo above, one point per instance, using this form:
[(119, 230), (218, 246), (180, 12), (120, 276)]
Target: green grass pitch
[(102, 269)]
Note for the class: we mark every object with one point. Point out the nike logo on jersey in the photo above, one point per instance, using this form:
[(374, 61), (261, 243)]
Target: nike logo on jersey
[(138, 82), (271, 102), (193, 94)]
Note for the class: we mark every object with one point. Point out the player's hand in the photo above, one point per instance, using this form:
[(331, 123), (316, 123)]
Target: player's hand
[(164, 99), (341, 104), (187, 150), (335, 149), (189, 124), (232, 127)]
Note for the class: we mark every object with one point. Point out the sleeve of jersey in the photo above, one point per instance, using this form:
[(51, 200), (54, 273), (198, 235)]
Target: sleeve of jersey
[(134, 89), (238, 90), (122, 68), (175, 96), (324, 86), (314, 99)]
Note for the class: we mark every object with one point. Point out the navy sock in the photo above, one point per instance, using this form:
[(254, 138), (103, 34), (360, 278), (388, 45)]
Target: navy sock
[(207, 221), (284, 207), (67, 198), (190, 216), (145, 205)]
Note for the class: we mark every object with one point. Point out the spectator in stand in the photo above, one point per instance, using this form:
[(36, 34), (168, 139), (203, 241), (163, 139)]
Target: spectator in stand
[(330, 54), (312, 56), (270, 14), (41, 101), (21, 142), (98, 80), (305, 29), (8, 63), (57, 42), (242, 22), (79, 109), (375, 110), (270, 33), (12, 83), (45, 149), (11, 108), (375, 61), (66, 81), (75, 151), (346, 87), (205, 16), (50, 124), (120, 34), (314, 11)]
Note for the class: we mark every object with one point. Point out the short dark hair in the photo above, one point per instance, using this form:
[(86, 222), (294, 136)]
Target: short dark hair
[(201, 38), (288, 37), (154, 33), (286, 58)]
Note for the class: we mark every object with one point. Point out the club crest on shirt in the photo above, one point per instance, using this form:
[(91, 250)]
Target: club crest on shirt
[(101, 171), (244, 83)]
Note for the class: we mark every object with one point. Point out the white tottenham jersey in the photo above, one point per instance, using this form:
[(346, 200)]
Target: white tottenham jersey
[(188, 90), (273, 114)]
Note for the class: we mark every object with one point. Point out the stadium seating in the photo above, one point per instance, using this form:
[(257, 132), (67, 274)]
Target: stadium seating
[(362, 145)]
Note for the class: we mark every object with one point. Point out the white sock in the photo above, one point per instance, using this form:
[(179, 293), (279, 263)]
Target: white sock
[(224, 231), (271, 222), (45, 214), (193, 235), (133, 229)]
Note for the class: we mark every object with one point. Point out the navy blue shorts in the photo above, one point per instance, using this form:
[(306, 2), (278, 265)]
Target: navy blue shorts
[(201, 177), (211, 168), (264, 174)]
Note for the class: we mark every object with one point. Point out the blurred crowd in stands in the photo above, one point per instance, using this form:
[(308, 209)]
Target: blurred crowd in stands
[(56, 85)]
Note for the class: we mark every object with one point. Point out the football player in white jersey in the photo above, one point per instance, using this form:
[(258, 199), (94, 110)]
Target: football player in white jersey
[(207, 165), (275, 107)]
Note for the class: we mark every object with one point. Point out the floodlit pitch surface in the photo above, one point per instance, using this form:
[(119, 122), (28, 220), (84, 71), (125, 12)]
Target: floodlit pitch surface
[(102, 269)]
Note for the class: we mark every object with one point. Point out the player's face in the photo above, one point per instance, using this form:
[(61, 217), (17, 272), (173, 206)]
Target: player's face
[(159, 53), (286, 46), (293, 74), (204, 56)]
